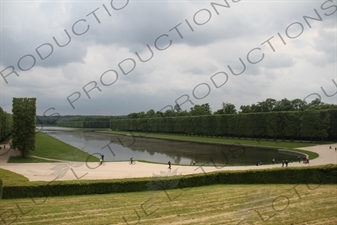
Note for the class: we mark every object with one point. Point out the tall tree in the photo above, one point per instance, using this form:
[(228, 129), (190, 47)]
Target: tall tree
[(24, 120), (229, 108), (283, 105), (177, 108), (200, 110), (267, 105), (245, 108), (151, 113)]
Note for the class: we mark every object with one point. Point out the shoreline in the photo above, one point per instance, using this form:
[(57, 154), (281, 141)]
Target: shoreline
[(119, 170)]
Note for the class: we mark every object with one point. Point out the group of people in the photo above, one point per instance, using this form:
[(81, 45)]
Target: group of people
[(285, 162), (101, 160), (304, 159), (335, 148)]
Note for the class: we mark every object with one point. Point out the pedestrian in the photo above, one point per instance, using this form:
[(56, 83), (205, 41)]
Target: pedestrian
[(286, 163), (273, 161), (282, 163), (169, 163), (299, 159), (102, 157)]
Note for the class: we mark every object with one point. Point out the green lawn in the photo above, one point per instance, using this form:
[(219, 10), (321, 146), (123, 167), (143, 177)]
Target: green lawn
[(19, 159), (11, 178), (52, 148), (216, 204)]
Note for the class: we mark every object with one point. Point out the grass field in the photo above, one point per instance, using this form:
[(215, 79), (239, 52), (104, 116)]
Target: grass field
[(19, 159), (217, 204), (52, 148)]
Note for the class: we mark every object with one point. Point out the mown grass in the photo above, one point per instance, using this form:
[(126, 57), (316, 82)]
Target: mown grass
[(11, 178), (52, 148), (19, 159), (216, 204)]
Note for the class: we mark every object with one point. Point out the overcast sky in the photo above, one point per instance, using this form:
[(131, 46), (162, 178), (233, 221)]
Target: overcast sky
[(187, 50)]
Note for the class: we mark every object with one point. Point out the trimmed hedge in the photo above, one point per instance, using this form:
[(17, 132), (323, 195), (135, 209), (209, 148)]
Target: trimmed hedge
[(1, 190), (300, 175), (293, 125)]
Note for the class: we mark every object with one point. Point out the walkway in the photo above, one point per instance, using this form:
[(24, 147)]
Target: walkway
[(112, 170)]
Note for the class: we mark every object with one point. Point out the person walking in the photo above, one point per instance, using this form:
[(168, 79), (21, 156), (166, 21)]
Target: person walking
[(169, 164), (102, 157), (286, 163)]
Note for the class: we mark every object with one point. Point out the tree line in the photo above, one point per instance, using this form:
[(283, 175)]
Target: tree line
[(268, 105)]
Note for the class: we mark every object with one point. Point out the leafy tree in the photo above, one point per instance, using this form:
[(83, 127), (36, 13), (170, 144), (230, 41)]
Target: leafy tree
[(133, 115), (200, 110), (283, 105), (229, 108), (245, 108), (267, 105), (255, 108), (151, 113), (315, 103), (298, 104), (177, 108), (141, 115), (24, 120)]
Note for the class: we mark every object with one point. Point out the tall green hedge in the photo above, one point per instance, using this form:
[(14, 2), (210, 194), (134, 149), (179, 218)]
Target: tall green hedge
[(1, 188), (83, 124), (298, 175), (299, 125), (6, 124)]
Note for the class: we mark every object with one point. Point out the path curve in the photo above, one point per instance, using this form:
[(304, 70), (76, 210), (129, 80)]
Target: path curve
[(67, 170)]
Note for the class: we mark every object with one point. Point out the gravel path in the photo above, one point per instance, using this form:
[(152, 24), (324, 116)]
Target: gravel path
[(111, 170)]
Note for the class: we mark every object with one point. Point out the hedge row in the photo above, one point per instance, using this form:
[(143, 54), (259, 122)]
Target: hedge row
[(84, 124), (308, 175), (310, 124), (6, 124), (1, 189)]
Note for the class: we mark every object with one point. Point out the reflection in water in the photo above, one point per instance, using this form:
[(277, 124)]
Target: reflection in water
[(119, 148)]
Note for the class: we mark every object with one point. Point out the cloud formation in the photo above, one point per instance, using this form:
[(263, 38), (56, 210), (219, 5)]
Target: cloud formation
[(119, 57)]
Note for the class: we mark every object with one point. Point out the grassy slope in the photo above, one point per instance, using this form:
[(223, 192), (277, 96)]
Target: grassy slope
[(19, 159), (49, 147), (11, 178), (216, 204)]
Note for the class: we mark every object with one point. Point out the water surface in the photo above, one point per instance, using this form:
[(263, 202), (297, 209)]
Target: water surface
[(121, 148)]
